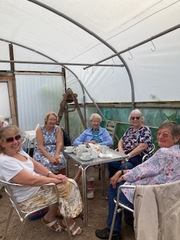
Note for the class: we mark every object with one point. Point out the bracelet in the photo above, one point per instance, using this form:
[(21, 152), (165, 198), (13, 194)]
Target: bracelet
[(49, 172)]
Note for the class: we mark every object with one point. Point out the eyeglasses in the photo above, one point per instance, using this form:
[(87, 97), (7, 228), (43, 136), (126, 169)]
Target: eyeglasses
[(163, 134), (11, 139), (137, 118)]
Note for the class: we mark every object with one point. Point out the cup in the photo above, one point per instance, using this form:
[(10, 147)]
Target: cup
[(69, 149), (103, 149), (86, 155), (82, 146), (79, 152)]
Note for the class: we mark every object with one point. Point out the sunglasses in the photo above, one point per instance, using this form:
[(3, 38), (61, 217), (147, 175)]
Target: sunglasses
[(137, 118), (11, 139)]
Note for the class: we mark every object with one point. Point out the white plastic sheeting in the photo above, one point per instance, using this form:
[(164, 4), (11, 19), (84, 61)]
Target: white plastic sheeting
[(37, 95), (154, 66)]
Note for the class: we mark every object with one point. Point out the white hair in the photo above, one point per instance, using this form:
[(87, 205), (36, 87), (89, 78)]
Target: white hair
[(135, 111), (95, 115)]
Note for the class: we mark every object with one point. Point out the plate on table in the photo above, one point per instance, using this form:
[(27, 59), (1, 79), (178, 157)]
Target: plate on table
[(86, 159), (105, 155)]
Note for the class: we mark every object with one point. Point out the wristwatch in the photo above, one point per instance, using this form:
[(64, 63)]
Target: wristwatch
[(49, 172)]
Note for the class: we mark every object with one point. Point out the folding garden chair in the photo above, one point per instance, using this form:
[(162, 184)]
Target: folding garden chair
[(119, 207), (149, 154), (23, 215)]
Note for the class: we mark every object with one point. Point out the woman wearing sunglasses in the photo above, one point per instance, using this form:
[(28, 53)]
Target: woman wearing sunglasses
[(135, 142), (16, 166)]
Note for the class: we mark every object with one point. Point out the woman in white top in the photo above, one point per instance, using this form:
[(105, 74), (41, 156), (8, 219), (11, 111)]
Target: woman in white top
[(18, 167)]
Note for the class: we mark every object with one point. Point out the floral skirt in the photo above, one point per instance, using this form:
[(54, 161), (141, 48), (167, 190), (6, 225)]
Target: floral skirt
[(70, 201)]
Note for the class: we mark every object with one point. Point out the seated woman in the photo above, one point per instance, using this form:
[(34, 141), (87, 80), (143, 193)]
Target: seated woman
[(136, 141), (49, 144), (17, 166), (162, 167), (94, 134), (3, 124)]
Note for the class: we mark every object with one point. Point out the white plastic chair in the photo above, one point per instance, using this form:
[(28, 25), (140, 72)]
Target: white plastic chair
[(23, 215)]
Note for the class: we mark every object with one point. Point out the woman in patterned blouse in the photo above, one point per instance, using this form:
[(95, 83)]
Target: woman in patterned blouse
[(136, 141)]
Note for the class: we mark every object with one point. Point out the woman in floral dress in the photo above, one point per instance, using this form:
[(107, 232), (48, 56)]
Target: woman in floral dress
[(49, 145)]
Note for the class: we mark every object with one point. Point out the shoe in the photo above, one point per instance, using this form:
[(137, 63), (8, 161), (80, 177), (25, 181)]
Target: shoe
[(54, 225), (0, 195), (90, 193), (73, 228), (104, 234)]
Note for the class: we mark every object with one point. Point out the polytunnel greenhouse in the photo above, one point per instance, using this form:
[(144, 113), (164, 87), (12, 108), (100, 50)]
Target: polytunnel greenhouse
[(78, 57)]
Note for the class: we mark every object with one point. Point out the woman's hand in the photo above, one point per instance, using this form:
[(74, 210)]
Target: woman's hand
[(55, 160), (61, 177), (121, 150), (114, 180), (93, 142), (120, 179)]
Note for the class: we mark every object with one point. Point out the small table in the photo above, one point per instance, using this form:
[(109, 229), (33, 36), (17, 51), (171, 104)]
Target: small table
[(116, 156)]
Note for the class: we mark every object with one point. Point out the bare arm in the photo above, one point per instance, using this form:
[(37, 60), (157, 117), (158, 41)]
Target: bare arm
[(59, 143), (25, 178), (120, 146), (39, 168)]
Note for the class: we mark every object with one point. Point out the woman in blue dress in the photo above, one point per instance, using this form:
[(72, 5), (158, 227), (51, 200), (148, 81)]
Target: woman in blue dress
[(49, 144)]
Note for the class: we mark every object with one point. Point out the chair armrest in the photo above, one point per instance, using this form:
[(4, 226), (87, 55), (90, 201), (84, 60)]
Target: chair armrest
[(121, 205)]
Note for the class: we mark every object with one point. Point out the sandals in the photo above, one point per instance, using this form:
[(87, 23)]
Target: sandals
[(59, 227), (74, 229), (54, 225)]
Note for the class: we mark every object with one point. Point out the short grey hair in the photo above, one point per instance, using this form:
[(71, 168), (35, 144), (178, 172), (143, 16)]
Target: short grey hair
[(173, 126), (135, 111), (95, 115)]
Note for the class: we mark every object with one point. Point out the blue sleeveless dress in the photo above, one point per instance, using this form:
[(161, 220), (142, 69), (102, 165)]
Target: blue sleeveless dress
[(50, 147)]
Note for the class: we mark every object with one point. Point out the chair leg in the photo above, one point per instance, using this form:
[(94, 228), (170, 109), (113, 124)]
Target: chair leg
[(68, 230), (8, 222), (113, 221)]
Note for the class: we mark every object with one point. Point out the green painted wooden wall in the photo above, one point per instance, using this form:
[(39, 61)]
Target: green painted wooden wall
[(153, 117)]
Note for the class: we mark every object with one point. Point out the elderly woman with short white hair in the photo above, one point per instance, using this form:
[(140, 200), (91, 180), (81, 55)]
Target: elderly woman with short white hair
[(94, 134), (135, 142)]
